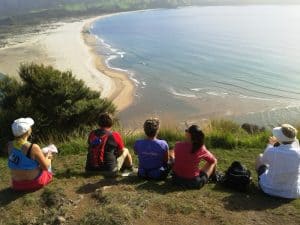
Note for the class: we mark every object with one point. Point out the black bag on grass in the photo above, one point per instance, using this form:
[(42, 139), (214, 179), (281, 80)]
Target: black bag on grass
[(237, 177)]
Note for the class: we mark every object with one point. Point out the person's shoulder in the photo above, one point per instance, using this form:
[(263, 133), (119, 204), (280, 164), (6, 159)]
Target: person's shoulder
[(271, 150), (160, 141), (35, 147), (96, 132), (163, 144), (204, 148), (116, 133)]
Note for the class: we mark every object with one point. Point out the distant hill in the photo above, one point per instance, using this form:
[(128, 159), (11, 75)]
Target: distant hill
[(18, 7)]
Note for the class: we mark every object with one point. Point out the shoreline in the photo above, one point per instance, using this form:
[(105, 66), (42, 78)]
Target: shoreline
[(71, 46), (122, 93), (68, 46)]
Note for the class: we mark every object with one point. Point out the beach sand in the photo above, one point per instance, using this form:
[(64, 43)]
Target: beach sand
[(69, 46)]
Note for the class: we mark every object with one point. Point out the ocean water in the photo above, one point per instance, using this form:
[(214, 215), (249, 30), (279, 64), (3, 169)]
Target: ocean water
[(194, 63)]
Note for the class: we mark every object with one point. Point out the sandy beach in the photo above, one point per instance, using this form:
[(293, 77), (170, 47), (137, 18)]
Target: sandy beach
[(69, 46)]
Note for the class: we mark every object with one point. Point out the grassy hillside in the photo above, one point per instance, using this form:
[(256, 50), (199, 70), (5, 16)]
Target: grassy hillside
[(76, 197)]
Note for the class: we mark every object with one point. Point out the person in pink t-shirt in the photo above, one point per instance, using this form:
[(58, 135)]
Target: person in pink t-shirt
[(188, 155)]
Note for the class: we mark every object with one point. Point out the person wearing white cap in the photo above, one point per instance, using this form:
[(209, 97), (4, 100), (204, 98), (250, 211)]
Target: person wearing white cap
[(278, 167), (28, 165)]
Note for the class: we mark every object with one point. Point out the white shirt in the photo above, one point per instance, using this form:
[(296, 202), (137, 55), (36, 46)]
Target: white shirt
[(282, 177)]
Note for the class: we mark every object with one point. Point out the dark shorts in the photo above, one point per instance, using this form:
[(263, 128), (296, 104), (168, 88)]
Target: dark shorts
[(195, 183), (261, 170), (154, 174)]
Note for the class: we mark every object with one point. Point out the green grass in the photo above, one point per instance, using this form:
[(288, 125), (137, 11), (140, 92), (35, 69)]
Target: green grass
[(131, 200), (88, 198)]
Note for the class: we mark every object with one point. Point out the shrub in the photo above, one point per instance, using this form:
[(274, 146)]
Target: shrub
[(229, 135), (57, 101)]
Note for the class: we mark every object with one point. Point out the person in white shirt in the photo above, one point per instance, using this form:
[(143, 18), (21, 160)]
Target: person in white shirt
[(278, 167)]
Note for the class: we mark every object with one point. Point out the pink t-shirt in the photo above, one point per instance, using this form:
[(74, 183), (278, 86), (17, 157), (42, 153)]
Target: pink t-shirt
[(187, 163)]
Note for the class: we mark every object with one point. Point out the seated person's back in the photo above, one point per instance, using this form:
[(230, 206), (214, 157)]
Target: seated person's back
[(27, 163), (187, 164), (152, 153), (279, 166), (106, 150), (112, 147), (188, 155)]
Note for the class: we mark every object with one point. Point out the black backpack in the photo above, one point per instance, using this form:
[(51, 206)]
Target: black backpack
[(237, 177)]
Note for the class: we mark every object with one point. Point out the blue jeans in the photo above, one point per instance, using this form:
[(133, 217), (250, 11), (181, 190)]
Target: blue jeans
[(195, 183)]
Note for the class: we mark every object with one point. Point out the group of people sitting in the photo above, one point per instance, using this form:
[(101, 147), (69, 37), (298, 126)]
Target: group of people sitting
[(278, 167)]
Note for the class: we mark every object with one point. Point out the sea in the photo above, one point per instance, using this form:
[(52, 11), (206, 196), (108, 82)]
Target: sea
[(200, 63)]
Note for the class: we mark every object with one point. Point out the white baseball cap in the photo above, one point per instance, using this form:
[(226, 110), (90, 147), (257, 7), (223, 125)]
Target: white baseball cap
[(21, 126), (285, 133)]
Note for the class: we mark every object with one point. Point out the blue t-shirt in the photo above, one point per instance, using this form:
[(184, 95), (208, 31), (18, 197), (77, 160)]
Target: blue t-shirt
[(151, 155)]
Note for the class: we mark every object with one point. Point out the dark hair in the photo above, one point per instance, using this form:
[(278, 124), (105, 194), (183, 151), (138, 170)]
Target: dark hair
[(197, 137), (151, 127), (105, 120)]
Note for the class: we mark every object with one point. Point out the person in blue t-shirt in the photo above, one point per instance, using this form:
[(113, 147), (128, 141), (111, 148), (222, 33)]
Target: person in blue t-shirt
[(152, 153)]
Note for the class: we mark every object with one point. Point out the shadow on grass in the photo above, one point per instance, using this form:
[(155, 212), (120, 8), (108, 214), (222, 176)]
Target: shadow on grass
[(254, 199), (8, 195), (68, 173), (160, 187), (92, 187)]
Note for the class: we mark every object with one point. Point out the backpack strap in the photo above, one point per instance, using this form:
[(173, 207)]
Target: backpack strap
[(100, 146), (29, 151)]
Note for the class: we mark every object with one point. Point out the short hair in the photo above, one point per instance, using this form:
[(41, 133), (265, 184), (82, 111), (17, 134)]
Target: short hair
[(151, 127), (105, 120)]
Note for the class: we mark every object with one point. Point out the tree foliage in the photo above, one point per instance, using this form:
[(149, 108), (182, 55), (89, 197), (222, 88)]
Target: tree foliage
[(57, 101)]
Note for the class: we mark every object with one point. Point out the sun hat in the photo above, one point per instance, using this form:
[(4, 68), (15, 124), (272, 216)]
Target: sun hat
[(21, 126), (285, 133)]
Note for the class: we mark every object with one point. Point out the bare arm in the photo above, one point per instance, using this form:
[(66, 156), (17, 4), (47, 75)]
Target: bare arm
[(209, 168), (37, 154)]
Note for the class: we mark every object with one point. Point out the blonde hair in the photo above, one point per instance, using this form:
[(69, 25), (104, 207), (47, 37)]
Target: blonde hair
[(23, 136)]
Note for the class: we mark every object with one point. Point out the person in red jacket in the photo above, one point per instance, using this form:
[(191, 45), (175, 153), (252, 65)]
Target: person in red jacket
[(106, 151), (188, 155)]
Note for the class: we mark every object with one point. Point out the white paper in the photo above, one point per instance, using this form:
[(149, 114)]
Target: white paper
[(50, 148)]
